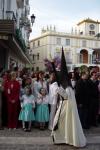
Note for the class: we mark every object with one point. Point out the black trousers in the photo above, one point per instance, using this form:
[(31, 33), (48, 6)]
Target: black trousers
[(84, 117)]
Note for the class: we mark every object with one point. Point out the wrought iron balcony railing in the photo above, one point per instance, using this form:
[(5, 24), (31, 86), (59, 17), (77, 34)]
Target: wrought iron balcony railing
[(10, 15), (7, 27)]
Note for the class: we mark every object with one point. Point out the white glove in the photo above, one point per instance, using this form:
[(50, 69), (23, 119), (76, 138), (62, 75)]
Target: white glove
[(62, 92)]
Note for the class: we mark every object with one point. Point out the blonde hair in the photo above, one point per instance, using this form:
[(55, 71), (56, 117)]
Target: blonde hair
[(13, 74)]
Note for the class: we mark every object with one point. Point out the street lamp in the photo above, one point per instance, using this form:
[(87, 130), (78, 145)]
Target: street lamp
[(32, 19)]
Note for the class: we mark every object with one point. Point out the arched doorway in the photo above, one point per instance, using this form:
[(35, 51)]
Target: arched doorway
[(84, 56), (95, 57)]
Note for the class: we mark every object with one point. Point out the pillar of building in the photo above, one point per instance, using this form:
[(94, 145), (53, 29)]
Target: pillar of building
[(89, 59), (78, 58)]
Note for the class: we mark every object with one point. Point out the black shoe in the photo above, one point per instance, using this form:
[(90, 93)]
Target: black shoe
[(86, 127), (28, 130), (95, 125)]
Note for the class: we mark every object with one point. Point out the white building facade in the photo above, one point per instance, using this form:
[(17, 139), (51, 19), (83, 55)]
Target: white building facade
[(15, 28), (81, 47)]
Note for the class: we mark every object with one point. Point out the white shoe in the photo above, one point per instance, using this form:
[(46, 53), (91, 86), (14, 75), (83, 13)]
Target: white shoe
[(50, 128), (14, 129)]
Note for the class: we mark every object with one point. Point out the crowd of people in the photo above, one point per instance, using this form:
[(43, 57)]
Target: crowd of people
[(32, 99)]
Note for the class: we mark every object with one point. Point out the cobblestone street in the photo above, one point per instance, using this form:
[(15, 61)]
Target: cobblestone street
[(41, 140)]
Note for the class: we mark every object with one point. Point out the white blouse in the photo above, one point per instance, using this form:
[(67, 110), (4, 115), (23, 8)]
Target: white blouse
[(42, 99), (27, 100)]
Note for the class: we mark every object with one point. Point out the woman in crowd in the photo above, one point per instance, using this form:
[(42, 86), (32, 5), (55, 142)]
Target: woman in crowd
[(40, 83), (13, 103)]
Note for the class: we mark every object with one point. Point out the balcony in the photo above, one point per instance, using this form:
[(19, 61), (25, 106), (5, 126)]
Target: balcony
[(7, 27), (20, 3), (10, 15)]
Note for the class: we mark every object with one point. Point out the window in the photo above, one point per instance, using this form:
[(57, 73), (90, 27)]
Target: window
[(30, 51), (81, 58), (33, 57), (33, 69), (37, 68), (91, 32), (27, 2), (33, 44), (38, 43), (96, 44), (1, 4), (8, 5), (67, 42), (16, 14), (84, 43), (58, 41), (81, 33), (37, 56), (68, 57)]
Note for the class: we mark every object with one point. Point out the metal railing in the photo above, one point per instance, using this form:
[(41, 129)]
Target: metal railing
[(10, 16)]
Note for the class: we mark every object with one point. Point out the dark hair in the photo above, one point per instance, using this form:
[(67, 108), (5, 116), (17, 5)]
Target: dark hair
[(83, 73), (43, 89), (91, 74), (41, 72), (28, 87), (47, 76)]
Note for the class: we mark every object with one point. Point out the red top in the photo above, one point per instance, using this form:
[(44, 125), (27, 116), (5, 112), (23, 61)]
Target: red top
[(13, 90)]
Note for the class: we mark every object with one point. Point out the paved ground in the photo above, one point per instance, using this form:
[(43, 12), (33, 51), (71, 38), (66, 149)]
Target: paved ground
[(41, 140), (45, 147), (21, 133)]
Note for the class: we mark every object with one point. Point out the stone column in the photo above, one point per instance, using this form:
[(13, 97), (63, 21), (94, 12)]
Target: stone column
[(78, 58), (90, 56), (89, 59)]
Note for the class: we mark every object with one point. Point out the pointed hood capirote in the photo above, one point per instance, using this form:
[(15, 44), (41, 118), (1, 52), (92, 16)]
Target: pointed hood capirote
[(64, 75)]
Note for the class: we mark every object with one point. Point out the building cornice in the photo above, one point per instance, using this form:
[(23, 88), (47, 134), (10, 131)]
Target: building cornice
[(88, 20), (66, 35)]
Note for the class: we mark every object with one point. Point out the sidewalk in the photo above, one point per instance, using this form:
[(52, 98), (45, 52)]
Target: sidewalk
[(91, 139), (41, 140)]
